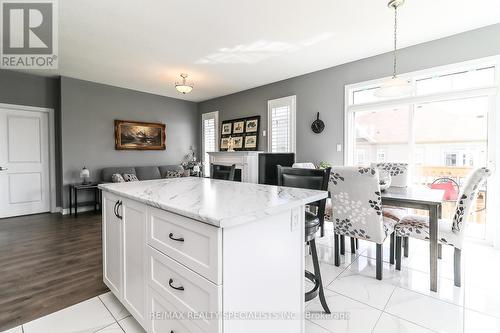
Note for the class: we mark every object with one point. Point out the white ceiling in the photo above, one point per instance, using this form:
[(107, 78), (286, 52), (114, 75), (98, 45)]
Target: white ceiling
[(230, 45)]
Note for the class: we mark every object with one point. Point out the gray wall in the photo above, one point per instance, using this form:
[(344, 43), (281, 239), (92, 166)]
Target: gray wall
[(31, 90), (26, 89), (323, 91), (88, 113)]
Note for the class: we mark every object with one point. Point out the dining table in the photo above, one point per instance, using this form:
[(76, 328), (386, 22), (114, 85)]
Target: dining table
[(423, 198)]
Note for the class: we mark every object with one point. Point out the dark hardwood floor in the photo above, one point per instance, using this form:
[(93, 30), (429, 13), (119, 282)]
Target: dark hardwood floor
[(48, 262)]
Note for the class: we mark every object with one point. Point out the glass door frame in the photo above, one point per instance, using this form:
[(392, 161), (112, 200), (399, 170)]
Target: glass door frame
[(492, 234)]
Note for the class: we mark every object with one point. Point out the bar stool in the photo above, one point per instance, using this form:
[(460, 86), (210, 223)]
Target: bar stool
[(223, 172), (315, 180)]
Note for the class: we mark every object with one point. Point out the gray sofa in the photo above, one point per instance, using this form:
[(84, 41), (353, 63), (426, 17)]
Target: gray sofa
[(142, 172)]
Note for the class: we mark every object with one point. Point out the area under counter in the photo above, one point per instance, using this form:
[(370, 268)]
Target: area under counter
[(231, 250)]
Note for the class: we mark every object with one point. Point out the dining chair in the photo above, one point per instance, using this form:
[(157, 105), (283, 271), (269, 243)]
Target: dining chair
[(398, 171), (316, 180), (357, 209), (450, 232), (223, 172), (399, 178)]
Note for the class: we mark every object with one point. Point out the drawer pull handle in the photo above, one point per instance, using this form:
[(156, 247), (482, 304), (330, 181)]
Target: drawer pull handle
[(171, 286), (114, 209), (120, 203), (171, 236)]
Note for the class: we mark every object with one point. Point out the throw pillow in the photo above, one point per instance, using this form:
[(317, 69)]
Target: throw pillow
[(174, 174), (117, 178), (129, 177)]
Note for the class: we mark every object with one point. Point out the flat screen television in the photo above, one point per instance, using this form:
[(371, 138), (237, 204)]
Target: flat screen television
[(268, 162)]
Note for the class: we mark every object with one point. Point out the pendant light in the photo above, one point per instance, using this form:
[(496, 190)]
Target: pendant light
[(184, 87), (395, 87)]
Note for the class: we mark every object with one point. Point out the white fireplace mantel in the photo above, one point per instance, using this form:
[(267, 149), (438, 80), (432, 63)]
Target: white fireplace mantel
[(247, 161)]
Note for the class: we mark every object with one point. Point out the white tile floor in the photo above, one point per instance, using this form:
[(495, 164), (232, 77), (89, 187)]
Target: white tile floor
[(401, 302)]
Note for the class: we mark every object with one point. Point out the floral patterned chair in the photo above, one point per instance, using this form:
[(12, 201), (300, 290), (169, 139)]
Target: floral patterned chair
[(399, 178), (450, 232), (357, 209), (398, 172)]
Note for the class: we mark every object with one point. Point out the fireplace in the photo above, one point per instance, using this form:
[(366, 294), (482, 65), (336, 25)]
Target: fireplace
[(246, 162), (237, 175)]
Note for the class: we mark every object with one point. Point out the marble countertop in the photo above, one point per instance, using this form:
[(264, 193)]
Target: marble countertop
[(216, 202)]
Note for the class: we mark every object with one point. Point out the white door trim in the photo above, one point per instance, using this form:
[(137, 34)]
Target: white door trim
[(52, 147)]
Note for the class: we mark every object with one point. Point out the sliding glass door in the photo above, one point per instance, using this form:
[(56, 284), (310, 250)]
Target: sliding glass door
[(444, 131)]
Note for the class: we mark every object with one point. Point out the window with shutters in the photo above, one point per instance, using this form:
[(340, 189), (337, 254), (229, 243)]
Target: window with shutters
[(281, 125), (210, 134)]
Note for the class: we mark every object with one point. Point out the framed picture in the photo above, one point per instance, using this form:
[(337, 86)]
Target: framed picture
[(245, 133), (251, 141), (238, 127), (252, 125), (226, 128), (238, 142), (133, 135), (224, 143)]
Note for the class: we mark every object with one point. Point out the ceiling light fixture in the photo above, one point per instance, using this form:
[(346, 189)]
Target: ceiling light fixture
[(395, 87), (184, 87)]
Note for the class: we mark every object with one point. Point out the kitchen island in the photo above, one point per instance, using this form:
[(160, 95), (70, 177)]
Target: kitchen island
[(202, 255)]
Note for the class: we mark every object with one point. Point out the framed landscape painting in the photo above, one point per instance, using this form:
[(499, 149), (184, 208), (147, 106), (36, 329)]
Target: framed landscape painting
[(133, 135)]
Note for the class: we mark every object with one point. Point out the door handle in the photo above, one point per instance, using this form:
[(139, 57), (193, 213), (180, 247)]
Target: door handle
[(3, 169)]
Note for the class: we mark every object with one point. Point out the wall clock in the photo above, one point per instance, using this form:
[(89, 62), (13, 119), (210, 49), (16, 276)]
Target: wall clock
[(318, 125)]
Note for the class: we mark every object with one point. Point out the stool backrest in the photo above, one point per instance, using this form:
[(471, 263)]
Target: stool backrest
[(312, 179), (223, 172)]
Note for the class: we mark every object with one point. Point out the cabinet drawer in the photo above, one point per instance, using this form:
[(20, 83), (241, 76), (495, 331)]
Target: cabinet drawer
[(185, 289), (192, 243), (165, 318)]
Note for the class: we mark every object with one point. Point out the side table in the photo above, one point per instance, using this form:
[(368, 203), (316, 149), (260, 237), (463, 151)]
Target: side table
[(73, 193)]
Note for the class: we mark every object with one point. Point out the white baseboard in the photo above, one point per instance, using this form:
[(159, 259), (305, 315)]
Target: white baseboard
[(82, 209), (56, 210)]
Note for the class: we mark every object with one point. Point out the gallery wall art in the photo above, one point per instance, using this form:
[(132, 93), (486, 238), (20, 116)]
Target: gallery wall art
[(244, 132)]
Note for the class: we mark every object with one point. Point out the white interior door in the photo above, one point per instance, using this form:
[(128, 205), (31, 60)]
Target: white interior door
[(24, 162)]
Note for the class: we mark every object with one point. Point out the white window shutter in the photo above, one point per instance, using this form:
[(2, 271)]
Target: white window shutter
[(281, 128), (210, 135)]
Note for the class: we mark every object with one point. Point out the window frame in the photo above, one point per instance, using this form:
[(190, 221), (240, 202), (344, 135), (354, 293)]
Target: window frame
[(350, 110), (290, 101)]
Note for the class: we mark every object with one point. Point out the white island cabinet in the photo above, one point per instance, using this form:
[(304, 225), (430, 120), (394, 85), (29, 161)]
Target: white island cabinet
[(190, 255)]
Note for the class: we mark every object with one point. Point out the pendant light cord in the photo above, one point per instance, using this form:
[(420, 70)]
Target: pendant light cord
[(395, 41)]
